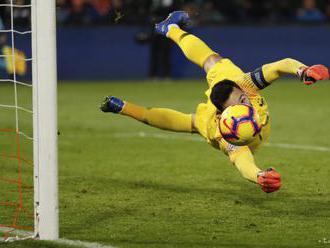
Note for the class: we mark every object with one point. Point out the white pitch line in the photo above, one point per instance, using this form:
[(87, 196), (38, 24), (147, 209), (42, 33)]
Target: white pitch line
[(299, 147), (15, 234), (188, 137), (80, 243), (200, 139), (26, 235)]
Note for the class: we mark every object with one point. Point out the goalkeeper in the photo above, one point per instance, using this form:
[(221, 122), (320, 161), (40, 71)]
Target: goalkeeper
[(228, 85)]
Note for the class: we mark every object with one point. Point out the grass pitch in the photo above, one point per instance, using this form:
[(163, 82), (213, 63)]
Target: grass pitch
[(125, 184)]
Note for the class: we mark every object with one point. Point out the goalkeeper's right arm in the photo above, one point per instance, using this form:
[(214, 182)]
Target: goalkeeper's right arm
[(272, 71)]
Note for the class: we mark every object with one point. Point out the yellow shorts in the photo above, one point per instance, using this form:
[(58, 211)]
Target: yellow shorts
[(223, 69), (207, 125), (206, 113), (205, 119)]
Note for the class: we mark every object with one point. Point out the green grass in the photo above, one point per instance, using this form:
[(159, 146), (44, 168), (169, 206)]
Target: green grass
[(151, 192)]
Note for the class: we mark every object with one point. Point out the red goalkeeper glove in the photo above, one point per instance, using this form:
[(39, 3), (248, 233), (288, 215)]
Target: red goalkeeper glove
[(269, 180), (310, 75)]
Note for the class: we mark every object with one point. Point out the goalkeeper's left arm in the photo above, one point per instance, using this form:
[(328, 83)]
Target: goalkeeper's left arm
[(243, 159), (268, 73)]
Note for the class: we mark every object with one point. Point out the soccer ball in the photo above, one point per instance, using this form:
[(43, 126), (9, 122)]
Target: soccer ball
[(240, 124)]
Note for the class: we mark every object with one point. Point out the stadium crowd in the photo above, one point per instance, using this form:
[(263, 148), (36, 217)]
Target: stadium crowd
[(108, 12), (84, 12)]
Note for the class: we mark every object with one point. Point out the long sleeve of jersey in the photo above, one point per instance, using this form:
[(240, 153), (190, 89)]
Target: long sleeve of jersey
[(243, 160), (274, 70), (265, 75)]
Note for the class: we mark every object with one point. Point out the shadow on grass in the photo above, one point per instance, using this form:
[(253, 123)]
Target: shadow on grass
[(277, 205), (243, 194), (237, 192)]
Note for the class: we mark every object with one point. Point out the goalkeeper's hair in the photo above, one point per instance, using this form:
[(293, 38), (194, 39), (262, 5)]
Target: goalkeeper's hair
[(221, 92)]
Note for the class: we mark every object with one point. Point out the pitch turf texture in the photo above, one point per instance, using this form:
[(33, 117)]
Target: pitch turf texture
[(126, 184)]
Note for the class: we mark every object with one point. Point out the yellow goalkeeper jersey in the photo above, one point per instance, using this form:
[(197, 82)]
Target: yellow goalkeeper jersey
[(207, 117)]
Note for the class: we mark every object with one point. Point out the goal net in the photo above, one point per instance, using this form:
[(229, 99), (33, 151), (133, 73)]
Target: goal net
[(28, 123)]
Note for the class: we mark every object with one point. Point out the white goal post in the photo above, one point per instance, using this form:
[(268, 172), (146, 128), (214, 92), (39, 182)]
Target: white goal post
[(44, 78)]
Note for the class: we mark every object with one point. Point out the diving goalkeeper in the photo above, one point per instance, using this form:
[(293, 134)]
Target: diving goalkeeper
[(228, 85)]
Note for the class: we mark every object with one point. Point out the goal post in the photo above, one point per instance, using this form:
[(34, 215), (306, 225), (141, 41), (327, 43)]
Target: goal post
[(44, 78), (28, 130)]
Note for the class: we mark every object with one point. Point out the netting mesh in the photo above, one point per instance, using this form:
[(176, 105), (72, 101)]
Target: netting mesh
[(16, 118)]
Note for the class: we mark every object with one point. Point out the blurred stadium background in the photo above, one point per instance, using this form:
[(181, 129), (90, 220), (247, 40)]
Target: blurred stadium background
[(115, 34), (126, 184)]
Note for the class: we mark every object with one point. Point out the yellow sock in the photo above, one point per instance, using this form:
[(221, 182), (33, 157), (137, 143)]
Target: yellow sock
[(193, 48), (162, 118)]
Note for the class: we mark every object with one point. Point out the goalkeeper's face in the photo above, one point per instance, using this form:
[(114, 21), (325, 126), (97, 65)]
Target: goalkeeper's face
[(237, 97)]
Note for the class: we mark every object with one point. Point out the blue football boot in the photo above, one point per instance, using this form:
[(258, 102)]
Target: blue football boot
[(112, 104), (180, 18)]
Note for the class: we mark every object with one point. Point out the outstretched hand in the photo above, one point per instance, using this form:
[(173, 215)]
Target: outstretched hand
[(269, 180), (309, 75)]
